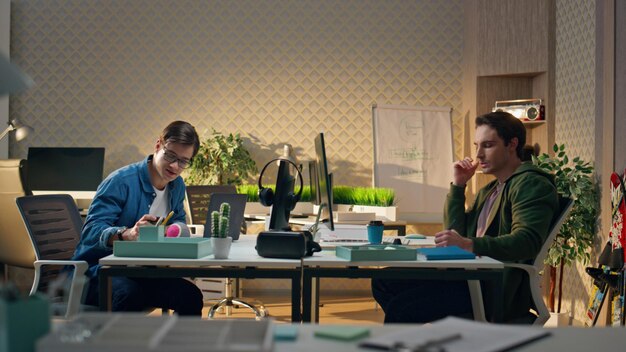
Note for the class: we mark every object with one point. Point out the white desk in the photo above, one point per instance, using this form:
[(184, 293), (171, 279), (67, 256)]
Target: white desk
[(243, 262), (135, 328), (326, 264)]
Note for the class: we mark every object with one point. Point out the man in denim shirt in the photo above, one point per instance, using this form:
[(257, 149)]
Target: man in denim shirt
[(133, 196)]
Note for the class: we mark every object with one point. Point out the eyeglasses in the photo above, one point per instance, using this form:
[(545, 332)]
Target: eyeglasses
[(171, 157)]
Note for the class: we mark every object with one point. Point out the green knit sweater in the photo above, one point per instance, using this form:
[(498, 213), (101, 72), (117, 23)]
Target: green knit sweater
[(516, 227)]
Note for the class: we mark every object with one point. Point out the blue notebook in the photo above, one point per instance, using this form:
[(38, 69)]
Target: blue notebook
[(445, 253)]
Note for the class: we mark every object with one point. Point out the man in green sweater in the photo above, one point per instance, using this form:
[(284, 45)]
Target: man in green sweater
[(508, 221)]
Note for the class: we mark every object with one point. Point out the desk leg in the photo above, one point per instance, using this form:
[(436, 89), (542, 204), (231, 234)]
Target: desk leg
[(296, 287), (307, 289), (104, 290), (498, 300)]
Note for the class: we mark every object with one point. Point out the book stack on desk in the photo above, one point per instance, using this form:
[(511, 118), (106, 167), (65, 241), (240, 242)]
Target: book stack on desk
[(444, 253)]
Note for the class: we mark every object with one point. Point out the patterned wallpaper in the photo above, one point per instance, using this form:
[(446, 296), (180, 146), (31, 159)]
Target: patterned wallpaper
[(575, 110), (114, 73)]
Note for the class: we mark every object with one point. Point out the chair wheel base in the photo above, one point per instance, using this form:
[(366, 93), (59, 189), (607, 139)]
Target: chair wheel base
[(260, 312)]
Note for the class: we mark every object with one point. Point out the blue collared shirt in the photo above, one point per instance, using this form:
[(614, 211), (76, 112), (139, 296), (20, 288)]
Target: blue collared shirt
[(120, 201)]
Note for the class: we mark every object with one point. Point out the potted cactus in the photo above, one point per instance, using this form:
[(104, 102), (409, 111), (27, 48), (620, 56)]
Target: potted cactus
[(219, 232)]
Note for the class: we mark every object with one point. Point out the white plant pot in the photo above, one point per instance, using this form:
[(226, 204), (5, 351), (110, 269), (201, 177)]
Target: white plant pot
[(558, 320), (221, 247), (386, 212), (303, 208)]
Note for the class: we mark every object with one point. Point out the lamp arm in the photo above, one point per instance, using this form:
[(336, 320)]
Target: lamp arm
[(7, 130)]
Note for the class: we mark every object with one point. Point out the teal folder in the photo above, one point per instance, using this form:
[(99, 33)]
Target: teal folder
[(445, 253)]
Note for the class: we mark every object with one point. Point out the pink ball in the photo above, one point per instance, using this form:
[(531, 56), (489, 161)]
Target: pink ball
[(173, 231)]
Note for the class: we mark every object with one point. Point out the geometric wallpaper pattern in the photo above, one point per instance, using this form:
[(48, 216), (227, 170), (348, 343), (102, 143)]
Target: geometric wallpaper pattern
[(575, 113), (114, 73)]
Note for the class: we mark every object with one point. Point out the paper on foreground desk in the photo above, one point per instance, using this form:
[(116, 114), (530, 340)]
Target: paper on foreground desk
[(192, 334)]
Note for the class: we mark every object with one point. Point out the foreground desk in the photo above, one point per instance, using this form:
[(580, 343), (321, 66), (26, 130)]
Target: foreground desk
[(135, 332), (243, 262), (326, 265), (568, 339)]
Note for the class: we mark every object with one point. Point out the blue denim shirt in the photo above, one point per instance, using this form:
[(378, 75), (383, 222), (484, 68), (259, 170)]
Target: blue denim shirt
[(121, 200)]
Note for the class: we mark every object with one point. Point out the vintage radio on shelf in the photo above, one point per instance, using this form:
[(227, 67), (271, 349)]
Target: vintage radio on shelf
[(523, 109)]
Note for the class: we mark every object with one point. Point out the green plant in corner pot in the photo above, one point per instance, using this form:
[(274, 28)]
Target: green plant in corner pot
[(220, 160), (574, 179), (220, 220)]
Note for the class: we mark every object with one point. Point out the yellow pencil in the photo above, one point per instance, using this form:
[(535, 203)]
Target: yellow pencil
[(167, 218)]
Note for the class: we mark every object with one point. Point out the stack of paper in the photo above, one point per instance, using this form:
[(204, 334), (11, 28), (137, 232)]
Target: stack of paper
[(456, 335)]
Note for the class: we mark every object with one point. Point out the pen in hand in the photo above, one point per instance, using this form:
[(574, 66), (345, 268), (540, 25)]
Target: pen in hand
[(167, 218)]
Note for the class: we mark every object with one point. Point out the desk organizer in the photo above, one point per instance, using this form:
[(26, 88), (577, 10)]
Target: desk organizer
[(151, 233), (376, 252), (167, 247)]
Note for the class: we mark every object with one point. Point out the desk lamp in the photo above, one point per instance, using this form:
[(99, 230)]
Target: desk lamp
[(13, 80), (21, 130)]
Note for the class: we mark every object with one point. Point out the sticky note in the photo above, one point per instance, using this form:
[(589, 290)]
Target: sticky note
[(344, 333), (285, 332)]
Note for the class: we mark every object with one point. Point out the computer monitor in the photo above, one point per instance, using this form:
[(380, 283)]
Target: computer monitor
[(313, 181), (281, 209), (324, 182), (74, 171)]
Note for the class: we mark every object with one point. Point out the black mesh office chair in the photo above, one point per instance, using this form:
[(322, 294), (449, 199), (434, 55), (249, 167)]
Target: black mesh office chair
[(53, 223), (198, 199)]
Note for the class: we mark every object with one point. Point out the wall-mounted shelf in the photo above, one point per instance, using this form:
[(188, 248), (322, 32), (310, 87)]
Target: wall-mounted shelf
[(533, 124)]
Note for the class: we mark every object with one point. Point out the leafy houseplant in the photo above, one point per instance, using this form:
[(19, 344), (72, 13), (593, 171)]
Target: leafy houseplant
[(574, 179), (221, 160)]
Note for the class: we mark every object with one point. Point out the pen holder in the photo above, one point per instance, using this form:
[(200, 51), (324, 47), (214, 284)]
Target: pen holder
[(22, 322), (375, 232), (151, 233)]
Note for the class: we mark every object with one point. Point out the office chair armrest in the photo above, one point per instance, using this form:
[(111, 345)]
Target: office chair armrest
[(535, 289), (530, 269), (76, 286), (196, 230)]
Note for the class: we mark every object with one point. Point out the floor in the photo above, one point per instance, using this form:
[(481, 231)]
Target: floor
[(354, 309)]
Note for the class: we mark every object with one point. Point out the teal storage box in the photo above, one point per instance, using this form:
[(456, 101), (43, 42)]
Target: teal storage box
[(376, 252), (151, 233), (168, 247), (22, 322)]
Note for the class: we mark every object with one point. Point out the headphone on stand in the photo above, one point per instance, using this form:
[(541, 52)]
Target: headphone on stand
[(266, 195)]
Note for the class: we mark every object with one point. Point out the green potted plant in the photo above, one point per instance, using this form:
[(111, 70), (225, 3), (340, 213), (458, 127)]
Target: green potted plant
[(574, 179), (221, 160), (219, 232)]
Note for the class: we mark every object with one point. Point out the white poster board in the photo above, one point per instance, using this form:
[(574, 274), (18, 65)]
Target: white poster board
[(413, 155)]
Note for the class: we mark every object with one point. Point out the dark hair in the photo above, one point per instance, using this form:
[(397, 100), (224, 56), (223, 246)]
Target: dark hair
[(507, 126), (181, 132)]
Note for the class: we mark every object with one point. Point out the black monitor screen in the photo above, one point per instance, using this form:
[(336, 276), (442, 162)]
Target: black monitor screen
[(281, 209), (324, 182), (64, 169)]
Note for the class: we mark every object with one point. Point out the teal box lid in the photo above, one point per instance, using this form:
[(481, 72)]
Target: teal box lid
[(376, 252), (168, 247)]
